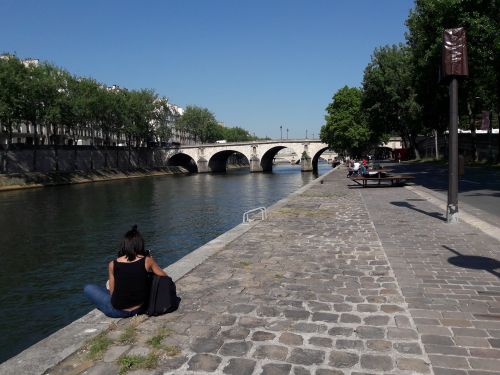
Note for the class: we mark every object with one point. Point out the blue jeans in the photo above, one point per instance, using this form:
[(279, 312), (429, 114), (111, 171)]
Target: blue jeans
[(100, 297)]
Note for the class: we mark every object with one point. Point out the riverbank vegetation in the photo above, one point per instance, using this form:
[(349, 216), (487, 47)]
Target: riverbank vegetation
[(64, 103), (400, 95), (43, 94)]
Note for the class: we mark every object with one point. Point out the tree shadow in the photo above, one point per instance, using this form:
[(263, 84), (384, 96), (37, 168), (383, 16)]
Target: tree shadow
[(436, 215), (474, 262)]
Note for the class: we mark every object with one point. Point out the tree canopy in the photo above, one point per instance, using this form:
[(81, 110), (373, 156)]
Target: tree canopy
[(346, 128), (49, 95), (400, 93)]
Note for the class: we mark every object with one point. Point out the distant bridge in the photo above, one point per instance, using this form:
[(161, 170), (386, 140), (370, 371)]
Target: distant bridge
[(212, 157)]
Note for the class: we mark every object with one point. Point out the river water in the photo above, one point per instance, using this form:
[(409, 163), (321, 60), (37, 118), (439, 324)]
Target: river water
[(56, 240)]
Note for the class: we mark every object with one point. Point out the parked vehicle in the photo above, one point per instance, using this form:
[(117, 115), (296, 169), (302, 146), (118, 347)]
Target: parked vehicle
[(221, 141)]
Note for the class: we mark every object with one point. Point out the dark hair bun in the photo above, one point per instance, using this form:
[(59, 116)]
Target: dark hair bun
[(134, 228)]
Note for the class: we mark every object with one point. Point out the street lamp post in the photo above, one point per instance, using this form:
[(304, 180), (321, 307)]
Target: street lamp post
[(281, 130)]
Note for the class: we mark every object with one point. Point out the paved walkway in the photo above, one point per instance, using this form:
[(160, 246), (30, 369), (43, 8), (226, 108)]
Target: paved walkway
[(342, 280)]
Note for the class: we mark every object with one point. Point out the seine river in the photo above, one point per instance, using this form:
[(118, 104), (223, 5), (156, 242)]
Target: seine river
[(56, 240)]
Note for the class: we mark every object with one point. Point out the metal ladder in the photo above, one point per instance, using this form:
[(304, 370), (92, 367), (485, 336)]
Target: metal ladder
[(261, 209)]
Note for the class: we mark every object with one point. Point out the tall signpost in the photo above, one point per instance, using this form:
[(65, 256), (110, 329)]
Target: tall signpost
[(453, 67)]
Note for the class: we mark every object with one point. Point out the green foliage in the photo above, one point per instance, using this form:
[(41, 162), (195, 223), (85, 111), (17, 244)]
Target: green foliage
[(97, 346), (200, 123), (481, 21), (129, 336), (155, 341), (346, 128), (388, 97), (138, 362), (49, 94)]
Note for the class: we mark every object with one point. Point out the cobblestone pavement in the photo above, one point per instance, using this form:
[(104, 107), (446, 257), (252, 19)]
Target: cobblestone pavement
[(340, 281), (449, 276)]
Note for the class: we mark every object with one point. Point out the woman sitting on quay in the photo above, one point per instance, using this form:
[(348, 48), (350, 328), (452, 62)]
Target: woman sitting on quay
[(128, 292)]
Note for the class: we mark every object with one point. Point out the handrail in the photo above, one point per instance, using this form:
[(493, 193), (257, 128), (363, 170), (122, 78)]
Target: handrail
[(262, 209)]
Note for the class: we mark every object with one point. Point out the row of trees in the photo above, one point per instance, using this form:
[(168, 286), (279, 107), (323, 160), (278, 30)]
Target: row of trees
[(400, 94), (50, 95)]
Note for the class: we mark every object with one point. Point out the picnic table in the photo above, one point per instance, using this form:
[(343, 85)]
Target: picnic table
[(379, 171), (392, 180)]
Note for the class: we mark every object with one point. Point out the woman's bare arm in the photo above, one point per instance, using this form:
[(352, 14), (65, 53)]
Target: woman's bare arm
[(111, 279), (151, 265)]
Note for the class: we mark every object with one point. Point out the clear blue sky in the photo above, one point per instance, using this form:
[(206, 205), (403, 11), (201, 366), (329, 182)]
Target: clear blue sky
[(255, 64)]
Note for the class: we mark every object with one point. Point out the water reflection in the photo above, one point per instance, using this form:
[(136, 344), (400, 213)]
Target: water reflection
[(56, 240)]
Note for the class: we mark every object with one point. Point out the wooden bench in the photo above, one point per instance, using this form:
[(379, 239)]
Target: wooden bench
[(394, 180)]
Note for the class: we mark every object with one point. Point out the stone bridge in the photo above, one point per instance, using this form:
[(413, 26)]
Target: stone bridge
[(212, 157)]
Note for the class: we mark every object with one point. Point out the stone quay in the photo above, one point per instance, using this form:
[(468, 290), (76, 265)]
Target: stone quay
[(339, 280)]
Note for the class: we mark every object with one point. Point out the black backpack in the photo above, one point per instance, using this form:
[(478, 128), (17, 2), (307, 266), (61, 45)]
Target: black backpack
[(162, 296)]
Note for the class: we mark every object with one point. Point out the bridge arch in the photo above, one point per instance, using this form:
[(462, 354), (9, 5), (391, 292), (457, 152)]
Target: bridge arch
[(183, 160), (218, 161), (266, 161), (316, 156)]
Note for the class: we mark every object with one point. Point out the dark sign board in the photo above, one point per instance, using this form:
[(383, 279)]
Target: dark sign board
[(454, 60), (485, 125)]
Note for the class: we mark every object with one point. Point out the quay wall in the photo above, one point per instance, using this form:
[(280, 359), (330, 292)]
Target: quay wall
[(63, 165), (61, 344), (26, 159), (33, 179)]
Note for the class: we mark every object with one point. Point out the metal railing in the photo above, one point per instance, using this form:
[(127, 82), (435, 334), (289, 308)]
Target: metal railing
[(261, 209)]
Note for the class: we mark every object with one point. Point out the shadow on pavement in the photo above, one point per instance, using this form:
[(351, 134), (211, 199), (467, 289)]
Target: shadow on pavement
[(437, 215), (474, 262), (496, 195)]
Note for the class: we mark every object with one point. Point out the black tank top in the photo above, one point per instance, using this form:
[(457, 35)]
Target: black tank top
[(131, 288)]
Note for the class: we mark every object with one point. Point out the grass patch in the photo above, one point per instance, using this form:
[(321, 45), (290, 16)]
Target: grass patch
[(129, 336), (246, 263), (155, 341), (171, 351), (132, 362), (277, 276), (97, 346)]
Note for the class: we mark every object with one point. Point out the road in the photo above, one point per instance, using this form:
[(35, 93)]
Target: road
[(478, 188)]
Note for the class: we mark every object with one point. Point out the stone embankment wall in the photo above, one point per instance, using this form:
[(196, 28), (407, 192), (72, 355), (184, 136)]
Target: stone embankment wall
[(20, 159), (427, 146), (39, 179), (88, 164)]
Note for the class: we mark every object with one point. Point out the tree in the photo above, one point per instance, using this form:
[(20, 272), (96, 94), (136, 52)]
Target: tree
[(194, 120), (236, 134), (11, 73), (481, 21), (346, 127), (388, 95)]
